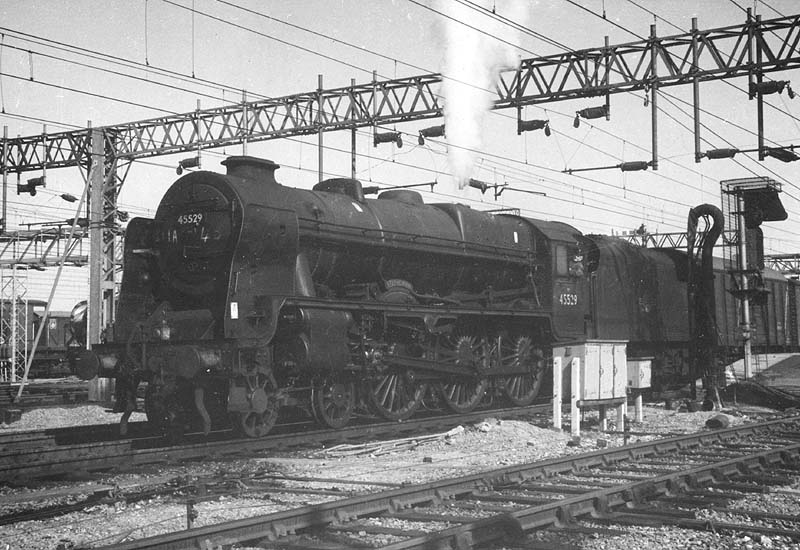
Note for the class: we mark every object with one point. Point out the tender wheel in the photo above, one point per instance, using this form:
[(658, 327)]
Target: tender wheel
[(333, 403), (260, 420), (395, 396), (522, 389)]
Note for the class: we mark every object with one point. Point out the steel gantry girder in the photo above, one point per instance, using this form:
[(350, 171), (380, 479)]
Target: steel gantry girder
[(788, 264), (721, 53), (43, 247), (672, 240)]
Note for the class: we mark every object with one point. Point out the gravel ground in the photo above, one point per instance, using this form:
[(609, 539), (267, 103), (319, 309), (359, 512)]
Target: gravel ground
[(491, 443), (62, 417)]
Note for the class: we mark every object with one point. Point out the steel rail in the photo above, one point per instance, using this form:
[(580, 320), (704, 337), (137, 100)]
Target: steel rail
[(602, 501), (272, 526), (30, 461)]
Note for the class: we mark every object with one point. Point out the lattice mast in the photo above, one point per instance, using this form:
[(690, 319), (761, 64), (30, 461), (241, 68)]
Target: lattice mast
[(14, 322)]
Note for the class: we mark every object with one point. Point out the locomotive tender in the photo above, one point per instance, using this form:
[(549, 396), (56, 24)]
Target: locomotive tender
[(243, 296)]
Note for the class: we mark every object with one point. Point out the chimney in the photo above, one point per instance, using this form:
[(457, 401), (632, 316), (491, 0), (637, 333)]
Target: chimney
[(254, 168)]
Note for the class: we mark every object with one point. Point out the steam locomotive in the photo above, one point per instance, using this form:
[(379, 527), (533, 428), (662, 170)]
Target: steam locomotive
[(243, 296)]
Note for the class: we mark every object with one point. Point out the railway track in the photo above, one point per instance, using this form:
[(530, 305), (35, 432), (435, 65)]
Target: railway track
[(30, 455), (44, 394), (596, 492)]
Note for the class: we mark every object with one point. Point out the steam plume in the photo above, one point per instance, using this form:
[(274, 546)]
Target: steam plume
[(473, 60)]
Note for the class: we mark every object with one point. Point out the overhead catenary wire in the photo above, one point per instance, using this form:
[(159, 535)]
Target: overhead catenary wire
[(609, 210), (412, 1), (167, 111), (2, 92), (521, 27), (111, 98), (516, 46), (616, 137)]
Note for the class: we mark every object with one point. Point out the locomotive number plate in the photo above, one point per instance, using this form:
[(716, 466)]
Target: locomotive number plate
[(190, 219), (568, 299)]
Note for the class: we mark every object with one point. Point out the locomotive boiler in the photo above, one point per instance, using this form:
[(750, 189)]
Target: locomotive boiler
[(242, 296)]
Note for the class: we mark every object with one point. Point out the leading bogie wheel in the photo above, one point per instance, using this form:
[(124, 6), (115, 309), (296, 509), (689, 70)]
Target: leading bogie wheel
[(260, 420)]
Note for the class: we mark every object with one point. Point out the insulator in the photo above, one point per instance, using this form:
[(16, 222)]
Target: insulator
[(82, 222), (721, 153), (387, 137), (577, 121), (634, 166), (594, 112), (783, 155), (771, 87), (531, 125), (433, 131), (184, 164), (370, 189), (31, 186), (68, 197), (478, 184)]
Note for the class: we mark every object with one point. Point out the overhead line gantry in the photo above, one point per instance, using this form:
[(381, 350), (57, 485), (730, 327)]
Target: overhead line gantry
[(750, 49)]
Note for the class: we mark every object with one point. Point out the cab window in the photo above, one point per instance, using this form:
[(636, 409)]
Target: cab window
[(561, 260)]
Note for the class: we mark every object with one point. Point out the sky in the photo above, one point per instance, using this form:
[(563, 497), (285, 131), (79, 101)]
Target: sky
[(64, 63)]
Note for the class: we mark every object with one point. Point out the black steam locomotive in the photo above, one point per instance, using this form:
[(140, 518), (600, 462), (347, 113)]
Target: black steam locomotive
[(243, 296)]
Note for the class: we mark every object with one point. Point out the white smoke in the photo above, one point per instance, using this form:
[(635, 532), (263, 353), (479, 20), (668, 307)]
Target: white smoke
[(472, 62)]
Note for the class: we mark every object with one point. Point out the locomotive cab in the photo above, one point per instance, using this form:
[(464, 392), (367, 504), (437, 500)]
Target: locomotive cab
[(566, 275)]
